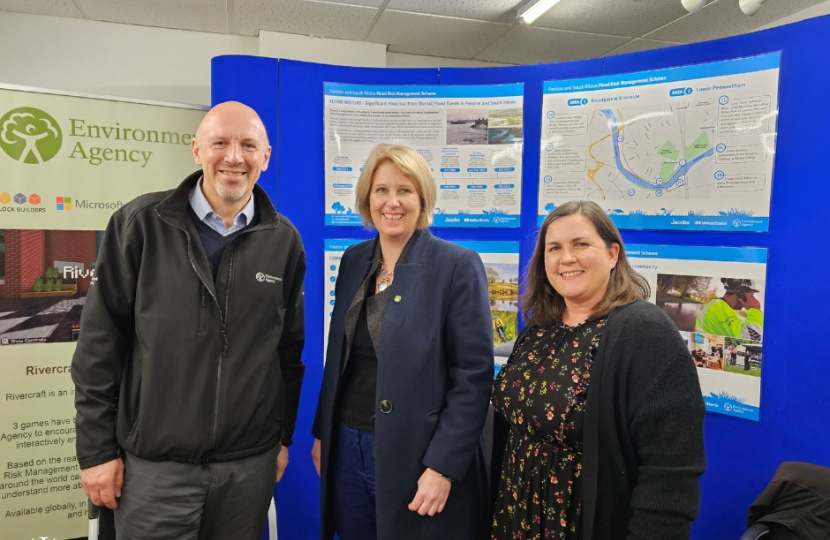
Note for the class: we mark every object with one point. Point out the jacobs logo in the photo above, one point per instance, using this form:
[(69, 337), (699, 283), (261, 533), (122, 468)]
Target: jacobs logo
[(30, 135)]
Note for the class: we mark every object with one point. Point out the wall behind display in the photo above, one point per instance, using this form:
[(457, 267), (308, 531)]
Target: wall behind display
[(742, 456), (112, 59), (162, 64)]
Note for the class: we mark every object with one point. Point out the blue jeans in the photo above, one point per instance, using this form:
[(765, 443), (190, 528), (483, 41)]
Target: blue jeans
[(354, 485)]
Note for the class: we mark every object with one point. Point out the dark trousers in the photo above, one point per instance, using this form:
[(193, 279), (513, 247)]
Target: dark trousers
[(354, 485), (166, 500)]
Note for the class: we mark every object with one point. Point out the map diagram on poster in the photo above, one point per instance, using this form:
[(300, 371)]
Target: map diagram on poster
[(688, 148)]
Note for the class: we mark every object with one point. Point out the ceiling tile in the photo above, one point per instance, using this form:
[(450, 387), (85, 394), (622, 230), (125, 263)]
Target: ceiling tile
[(483, 10), (528, 45), (323, 19), (723, 18), (433, 35), (53, 8), (631, 18), (198, 15), (368, 3), (636, 45)]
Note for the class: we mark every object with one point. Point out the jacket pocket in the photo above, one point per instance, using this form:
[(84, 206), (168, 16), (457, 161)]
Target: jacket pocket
[(131, 436)]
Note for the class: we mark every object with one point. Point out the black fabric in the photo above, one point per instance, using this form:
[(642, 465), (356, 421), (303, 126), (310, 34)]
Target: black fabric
[(159, 335), (643, 436), (643, 450), (542, 394), (357, 391), (213, 242), (501, 429), (435, 367), (796, 503)]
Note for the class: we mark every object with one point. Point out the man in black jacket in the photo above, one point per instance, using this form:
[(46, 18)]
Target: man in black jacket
[(188, 368)]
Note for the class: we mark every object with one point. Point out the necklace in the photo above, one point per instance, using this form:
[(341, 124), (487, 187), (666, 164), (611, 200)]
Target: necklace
[(385, 277)]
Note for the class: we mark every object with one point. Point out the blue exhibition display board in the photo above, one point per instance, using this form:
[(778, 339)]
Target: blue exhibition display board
[(741, 454)]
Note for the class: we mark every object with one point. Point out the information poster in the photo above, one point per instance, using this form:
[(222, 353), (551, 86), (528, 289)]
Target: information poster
[(471, 136), (501, 263), (685, 148), (716, 298), (333, 252), (68, 163)]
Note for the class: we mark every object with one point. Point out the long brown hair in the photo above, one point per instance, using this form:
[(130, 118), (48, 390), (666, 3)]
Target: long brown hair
[(542, 305)]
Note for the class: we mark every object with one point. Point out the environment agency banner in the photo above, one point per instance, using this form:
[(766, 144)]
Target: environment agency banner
[(68, 162)]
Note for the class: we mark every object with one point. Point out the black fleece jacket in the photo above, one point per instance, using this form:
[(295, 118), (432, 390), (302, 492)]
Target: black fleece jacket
[(171, 365)]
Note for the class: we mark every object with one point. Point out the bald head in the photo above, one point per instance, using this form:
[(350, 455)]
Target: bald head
[(232, 110)]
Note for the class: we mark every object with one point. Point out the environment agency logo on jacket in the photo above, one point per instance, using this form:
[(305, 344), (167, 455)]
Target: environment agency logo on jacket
[(30, 135), (262, 277)]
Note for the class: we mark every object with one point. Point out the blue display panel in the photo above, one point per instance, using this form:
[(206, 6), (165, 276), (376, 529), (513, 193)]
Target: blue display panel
[(741, 455)]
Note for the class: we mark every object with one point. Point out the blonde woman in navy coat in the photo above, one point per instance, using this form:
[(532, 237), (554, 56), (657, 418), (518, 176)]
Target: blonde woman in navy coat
[(408, 370)]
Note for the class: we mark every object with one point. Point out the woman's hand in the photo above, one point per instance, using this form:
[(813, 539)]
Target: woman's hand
[(315, 455), (433, 490)]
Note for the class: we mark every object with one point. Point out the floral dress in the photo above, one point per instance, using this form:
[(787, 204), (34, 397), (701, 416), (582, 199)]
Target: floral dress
[(541, 394)]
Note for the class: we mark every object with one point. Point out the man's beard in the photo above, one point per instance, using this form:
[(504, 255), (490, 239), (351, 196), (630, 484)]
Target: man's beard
[(231, 193)]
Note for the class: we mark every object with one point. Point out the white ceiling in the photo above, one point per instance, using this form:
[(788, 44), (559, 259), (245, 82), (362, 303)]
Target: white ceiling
[(484, 30)]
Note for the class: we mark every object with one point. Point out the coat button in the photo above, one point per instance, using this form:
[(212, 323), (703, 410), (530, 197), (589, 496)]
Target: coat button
[(385, 406)]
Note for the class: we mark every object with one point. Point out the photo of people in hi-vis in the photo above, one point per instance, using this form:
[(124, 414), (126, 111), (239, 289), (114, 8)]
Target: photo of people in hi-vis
[(722, 319), (44, 278)]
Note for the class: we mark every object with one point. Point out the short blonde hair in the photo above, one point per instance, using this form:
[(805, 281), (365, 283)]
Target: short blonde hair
[(409, 162)]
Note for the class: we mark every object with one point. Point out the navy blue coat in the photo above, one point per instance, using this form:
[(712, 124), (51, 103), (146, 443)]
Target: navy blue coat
[(435, 367)]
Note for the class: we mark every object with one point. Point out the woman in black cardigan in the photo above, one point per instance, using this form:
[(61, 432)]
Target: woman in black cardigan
[(599, 406)]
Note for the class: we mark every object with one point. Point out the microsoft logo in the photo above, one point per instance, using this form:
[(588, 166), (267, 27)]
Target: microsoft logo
[(64, 203)]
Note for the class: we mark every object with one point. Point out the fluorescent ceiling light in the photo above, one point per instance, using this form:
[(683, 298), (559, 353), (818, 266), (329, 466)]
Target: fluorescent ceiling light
[(534, 10)]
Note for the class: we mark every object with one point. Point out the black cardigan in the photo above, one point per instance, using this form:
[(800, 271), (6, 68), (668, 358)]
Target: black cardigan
[(643, 436)]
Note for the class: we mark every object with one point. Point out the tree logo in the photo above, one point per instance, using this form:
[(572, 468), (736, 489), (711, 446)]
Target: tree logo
[(29, 135)]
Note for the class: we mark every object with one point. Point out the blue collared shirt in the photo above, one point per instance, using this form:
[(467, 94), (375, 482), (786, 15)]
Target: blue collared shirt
[(202, 207)]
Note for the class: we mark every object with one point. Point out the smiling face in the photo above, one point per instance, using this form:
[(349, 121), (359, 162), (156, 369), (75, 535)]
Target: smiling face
[(577, 262), (232, 148), (394, 203)]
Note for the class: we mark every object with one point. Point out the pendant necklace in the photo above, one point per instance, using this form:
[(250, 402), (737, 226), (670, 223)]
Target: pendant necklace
[(385, 277)]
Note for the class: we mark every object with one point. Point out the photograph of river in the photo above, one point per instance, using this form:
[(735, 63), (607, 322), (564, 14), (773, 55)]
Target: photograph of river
[(466, 126), (504, 126)]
